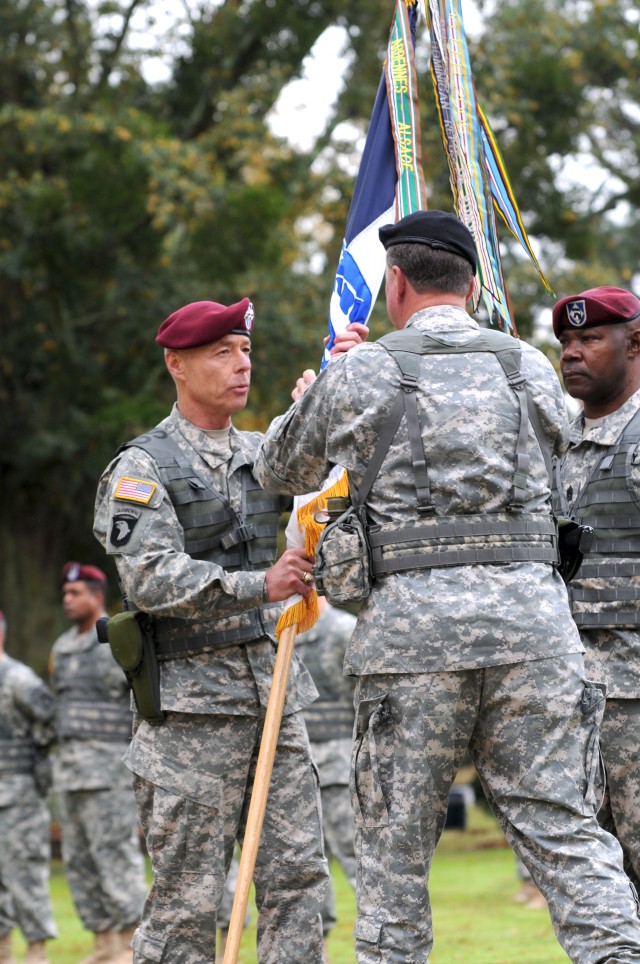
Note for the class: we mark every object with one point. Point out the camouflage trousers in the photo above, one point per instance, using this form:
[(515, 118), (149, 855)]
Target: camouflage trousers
[(193, 786), (620, 812), (101, 853), (25, 855), (339, 842), (532, 732)]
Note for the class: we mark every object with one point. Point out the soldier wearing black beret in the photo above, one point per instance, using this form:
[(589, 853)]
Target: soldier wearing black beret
[(436, 229), (464, 639)]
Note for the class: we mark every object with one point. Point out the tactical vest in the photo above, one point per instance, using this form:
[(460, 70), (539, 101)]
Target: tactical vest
[(440, 540), (85, 709), (17, 753), (214, 532), (607, 504)]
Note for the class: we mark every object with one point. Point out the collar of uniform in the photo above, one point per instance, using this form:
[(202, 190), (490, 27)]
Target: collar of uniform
[(611, 427), (214, 451), (442, 318)]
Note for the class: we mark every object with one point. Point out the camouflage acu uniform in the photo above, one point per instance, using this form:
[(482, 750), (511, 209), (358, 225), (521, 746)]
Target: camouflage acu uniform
[(612, 648), (330, 726), (101, 852), (484, 656), (26, 710), (193, 773)]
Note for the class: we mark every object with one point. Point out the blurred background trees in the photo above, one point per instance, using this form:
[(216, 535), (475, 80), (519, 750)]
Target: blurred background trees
[(125, 193)]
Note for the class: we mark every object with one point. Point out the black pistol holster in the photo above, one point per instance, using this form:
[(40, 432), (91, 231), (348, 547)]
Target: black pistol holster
[(574, 542), (130, 636)]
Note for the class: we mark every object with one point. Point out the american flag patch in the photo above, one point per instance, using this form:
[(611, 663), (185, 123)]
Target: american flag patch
[(135, 490)]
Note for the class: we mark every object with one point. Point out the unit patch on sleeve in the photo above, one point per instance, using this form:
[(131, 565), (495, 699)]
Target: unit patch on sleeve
[(134, 490), (122, 525)]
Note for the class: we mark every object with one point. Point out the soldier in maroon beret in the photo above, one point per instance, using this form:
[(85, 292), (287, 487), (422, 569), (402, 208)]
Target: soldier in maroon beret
[(194, 539), (76, 572), (98, 818), (205, 321), (598, 484)]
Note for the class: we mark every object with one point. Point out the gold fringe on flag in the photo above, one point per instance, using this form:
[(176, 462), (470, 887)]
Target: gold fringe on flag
[(304, 613)]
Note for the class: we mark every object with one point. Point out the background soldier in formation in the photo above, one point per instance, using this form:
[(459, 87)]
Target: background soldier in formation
[(101, 851), (598, 483), (26, 712), (225, 908), (194, 540), (330, 726), (466, 638)]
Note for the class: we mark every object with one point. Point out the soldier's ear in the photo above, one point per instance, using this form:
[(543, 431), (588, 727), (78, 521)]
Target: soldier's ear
[(173, 361), (633, 343), (470, 290)]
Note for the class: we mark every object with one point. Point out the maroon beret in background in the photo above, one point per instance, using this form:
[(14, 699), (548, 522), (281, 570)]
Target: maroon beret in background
[(596, 306), (75, 572), (202, 322)]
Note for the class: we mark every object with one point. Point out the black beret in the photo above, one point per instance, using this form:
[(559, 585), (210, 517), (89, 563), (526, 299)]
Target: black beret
[(434, 228)]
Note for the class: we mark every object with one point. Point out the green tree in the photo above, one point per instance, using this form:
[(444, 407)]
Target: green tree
[(121, 199), (561, 86)]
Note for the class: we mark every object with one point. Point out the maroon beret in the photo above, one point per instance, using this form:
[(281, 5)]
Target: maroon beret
[(597, 306), (203, 322), (75, 572)]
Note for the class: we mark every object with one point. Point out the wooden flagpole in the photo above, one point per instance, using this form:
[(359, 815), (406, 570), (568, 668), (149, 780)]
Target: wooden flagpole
[(260, 792)]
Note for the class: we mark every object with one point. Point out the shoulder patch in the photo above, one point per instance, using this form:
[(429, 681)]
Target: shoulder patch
[(122, 526), (134, 490)]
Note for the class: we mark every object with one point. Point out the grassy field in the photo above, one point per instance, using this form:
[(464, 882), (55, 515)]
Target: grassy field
[(472, 887)]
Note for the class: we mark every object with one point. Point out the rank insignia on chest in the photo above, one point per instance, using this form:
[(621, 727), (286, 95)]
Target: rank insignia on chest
[(134, 490)]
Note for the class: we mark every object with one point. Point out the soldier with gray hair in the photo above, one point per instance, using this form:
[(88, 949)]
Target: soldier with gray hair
[(465, 638), (26, 712), (194, 538), (101, 852)]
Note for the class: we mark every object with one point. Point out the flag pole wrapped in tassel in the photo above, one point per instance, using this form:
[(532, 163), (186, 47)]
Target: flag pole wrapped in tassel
[(477, 174), (376, 201), (390, 184)]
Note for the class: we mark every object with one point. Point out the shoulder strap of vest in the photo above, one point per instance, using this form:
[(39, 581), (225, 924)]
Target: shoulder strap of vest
[(629, 436), (172, 462), (631, 431), (174, 465), (407, 347), (159, 445)]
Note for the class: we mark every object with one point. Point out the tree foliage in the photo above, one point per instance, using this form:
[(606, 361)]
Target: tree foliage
[(561, 83), (122, 198)]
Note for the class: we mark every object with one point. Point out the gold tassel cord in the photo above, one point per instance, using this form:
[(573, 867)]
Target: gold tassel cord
[(304, 613)]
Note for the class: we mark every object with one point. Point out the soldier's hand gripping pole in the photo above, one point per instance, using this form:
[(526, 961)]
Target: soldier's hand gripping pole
[(258, 805)]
